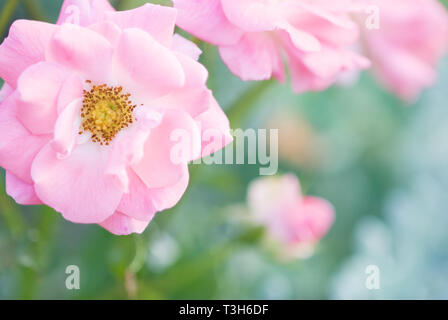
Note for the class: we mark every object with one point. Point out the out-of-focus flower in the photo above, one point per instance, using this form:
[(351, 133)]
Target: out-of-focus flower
[(89, 108), (294, 223), (298, 142), (253, 36), (406, 45)]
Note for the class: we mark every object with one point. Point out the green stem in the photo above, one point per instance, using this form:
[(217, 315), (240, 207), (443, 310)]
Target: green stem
[(140, 255), (239, 111), (130, 275), (6, 14), (27, 283)]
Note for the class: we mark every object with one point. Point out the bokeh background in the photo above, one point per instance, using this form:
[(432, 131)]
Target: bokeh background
[(382, 163)]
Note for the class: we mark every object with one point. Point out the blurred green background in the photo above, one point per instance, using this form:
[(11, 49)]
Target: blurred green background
[(383, 164)]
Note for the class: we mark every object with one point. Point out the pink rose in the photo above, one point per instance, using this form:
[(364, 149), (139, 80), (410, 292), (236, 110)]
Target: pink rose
[(411, 39), (254, 35), (294, 222), (89, 110)]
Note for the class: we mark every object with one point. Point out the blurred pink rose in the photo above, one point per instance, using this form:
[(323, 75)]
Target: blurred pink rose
[(254, 35), (296, 223), (411, 39), (88, 111)]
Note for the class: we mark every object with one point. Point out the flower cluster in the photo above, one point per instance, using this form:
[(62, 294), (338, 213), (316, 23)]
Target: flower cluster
[(254, 35), (320, 39)]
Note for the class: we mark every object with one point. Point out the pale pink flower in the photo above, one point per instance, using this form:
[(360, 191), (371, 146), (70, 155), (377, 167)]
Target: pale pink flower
[(89, 110), (411, 39), (254, 35), (295, 223)]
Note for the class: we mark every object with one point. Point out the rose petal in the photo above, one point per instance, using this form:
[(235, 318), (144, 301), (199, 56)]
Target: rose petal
[(38, 89), (77, 186), (81, 50), (24, 46), (158, 21), (84, 12), (206, 20), (22, 192), (18, 147), (121, 225), (145, 67), (161, 166)]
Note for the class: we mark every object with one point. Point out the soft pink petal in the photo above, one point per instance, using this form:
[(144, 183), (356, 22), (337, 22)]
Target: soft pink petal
[(127, 148), (315, 71), (186, 47), (24, 46), (84, 12), (18, 146), (254, 58), (215, 128), (320, 11), (82, 50), (192, 101), (193, 97), (302, 40), (108, 30), (318, 216), (38, 88), (202, 106), (405, 62), (303, 79), (404, 74), (77, 186), (145, 67), (195, 73), (138, 202), (122, 225), (324, 64), (162, 165), (206, 20), (167, 197), (253, 15), (71, 89), (22, 192), (142, 202), (327, 32), (66, 129), (158, 21), (290, 219), (269, 196)]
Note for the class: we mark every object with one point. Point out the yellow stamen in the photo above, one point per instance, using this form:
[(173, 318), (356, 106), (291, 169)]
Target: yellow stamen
[(105, 111)]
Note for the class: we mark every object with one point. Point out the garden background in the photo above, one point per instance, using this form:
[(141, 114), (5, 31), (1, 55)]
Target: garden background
[(382, 163)]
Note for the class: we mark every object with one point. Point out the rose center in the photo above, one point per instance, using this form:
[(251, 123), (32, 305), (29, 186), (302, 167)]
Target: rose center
[(105, 111)]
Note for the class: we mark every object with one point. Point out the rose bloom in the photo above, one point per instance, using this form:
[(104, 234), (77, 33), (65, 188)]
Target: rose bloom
[(88, 110), (254, 35), (294, 223), (411, 39)]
